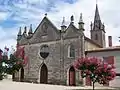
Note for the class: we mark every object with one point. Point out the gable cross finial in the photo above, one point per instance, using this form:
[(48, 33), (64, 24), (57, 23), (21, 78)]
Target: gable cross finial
[(45, 14), (72, 18), (96, 1)]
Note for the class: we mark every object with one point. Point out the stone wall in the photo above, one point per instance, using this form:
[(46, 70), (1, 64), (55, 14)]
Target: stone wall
[(57, 62)]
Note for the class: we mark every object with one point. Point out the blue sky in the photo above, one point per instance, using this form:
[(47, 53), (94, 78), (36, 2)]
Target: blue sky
[(16, 13)]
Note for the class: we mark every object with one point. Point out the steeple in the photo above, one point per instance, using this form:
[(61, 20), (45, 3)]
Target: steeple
[(97, 16), (98, 29), (97, 21)]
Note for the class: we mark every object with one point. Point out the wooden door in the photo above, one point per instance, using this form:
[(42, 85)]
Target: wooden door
[(22, 75), (44, 74), (72, 76)]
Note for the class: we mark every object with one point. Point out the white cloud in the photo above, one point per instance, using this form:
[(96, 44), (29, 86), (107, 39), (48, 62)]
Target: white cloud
[(109, 13), (26, 14), (3, 15), (8, 37)]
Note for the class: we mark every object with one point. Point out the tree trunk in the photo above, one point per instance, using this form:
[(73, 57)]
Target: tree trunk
[(93, 85)]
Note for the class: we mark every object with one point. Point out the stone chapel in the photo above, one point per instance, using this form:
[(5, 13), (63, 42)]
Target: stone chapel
[(52, 51)]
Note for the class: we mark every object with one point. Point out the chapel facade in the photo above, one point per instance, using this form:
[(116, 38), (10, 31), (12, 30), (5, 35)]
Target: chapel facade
[(52, 51)]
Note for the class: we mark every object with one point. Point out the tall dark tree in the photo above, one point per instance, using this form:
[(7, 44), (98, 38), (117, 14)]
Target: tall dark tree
[(9, 65)]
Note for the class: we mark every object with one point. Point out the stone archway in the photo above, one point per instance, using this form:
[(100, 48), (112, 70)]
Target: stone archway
[(72, 76), (44, 74), (22, 74)]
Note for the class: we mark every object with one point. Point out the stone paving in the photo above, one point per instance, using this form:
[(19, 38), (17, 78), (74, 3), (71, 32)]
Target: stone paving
[(7, 84)]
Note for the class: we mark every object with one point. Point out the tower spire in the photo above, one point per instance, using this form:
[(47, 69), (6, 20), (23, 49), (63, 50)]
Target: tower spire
[(97, 16), (97, 29), (97, 21)]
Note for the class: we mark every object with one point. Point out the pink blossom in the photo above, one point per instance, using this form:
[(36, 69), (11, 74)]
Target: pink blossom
[(95, 68)]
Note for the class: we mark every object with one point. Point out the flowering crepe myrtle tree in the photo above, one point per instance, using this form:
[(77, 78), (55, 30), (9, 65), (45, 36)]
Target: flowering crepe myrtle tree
[(95, 69)]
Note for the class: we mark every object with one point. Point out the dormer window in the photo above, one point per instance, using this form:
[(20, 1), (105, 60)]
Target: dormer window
[(71, 51)]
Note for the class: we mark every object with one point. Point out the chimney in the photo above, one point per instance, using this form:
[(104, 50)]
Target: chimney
[(110, 41)]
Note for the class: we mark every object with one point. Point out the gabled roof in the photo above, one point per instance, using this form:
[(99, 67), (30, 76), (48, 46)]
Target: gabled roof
[(46, 19), (71, 25), (71, 31), (91, 41)]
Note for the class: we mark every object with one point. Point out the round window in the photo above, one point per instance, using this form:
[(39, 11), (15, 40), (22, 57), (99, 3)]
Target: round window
[(44, 51)]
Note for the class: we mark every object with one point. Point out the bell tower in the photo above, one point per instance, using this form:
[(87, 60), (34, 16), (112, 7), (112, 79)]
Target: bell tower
[(98, 29)]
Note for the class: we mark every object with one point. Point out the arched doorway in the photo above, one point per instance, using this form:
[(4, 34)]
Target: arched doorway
[(44, 74), (71, 76), (22, 74), (13, 76)]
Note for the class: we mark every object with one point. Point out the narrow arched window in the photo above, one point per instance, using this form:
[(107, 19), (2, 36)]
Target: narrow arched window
[(96, 37), (71, 51)]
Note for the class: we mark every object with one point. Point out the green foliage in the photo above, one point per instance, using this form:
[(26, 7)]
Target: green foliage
[(14, 64), (9, 66), (2, 70)]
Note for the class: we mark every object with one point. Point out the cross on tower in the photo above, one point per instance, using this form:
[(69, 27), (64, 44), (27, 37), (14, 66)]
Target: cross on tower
[(96, 1)]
